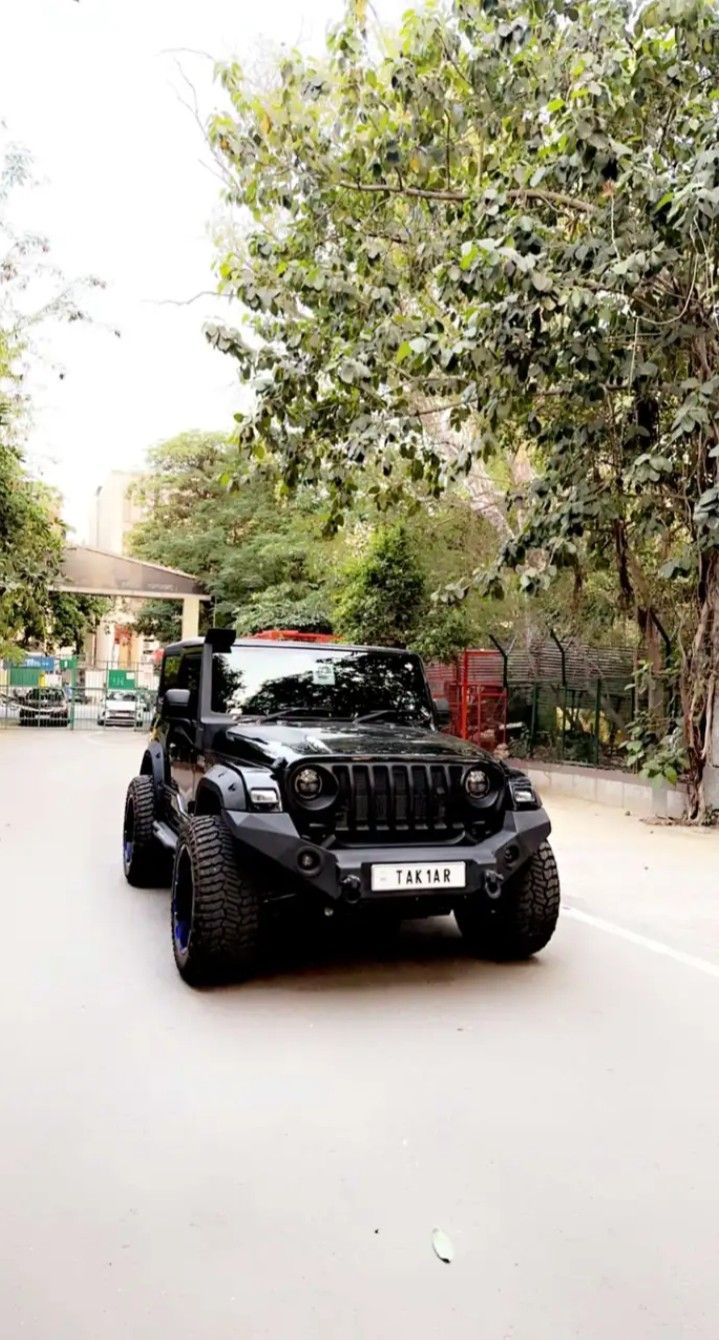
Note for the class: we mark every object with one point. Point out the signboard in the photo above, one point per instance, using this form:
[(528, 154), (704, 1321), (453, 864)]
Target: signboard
[(121, 679), (24, 676), (39, 662)]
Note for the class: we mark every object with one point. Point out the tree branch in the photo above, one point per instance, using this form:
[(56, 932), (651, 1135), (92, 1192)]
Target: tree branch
[(556, 198)]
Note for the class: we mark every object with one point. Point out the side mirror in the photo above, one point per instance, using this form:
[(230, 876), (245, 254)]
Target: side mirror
[(176, 703), (442, 714)]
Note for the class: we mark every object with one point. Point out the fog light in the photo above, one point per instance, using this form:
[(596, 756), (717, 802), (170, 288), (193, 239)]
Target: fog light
[(511, 853), (309, 862)]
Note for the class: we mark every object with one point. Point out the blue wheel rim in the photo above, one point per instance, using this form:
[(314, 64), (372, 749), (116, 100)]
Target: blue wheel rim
[(182, 902), (128, 836), (182, 934)]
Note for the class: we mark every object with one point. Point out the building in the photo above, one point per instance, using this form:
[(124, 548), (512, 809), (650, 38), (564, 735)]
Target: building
[(114, 512)]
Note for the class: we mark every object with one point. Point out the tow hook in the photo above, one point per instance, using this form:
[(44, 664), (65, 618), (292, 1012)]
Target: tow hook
[(351, 889), (492, 884)]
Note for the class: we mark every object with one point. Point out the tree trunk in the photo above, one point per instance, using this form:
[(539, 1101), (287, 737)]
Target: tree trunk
[(698, 682)]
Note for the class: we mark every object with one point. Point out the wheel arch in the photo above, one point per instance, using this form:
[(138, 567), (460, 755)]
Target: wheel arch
[(153, 765), (220, 789)]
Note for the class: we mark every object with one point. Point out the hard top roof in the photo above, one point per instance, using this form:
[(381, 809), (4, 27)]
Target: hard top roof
[(280, 643)]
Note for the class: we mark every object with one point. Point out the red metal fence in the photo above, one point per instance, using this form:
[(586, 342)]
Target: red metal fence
[(474, 688)]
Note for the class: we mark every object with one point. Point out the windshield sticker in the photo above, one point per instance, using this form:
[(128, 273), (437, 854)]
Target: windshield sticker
[(323, 673)]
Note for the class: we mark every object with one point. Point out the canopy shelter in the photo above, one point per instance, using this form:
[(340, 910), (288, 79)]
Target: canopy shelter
[(95, 572)]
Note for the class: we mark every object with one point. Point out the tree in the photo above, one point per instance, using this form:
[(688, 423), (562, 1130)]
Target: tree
[(262, 561), (31, 532), (72, 617), (31, 540), (383, 597), (269, 564), (505, 219), (160, 619), (383, 593)]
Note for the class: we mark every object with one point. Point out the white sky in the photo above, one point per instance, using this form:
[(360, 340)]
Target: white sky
[(125, 192)]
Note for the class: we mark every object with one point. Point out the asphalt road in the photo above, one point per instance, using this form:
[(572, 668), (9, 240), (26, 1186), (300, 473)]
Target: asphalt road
[(271, 1160)]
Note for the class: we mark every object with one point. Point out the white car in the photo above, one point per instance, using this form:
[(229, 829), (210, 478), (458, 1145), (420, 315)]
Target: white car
[(122, 707)]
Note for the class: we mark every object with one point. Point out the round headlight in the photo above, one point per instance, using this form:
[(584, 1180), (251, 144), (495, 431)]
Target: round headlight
[(476, 784), (308, 783)]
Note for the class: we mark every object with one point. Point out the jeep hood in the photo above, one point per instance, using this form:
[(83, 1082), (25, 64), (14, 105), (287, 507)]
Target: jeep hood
[(275, 744)]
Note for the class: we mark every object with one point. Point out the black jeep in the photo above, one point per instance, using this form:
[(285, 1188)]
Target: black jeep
[(290, 772)]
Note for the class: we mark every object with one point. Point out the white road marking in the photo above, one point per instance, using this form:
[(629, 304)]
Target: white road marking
[(655, 946)]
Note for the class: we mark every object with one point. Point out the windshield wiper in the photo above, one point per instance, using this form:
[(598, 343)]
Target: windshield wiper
[(294, 712)]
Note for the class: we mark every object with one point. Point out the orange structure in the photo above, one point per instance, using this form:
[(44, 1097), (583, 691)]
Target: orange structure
[(474, 688)]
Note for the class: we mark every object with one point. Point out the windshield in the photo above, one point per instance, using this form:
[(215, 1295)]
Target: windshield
[(119, 697), (321, 681)]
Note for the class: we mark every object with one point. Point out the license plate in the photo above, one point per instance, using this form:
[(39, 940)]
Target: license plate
[(435, 875)]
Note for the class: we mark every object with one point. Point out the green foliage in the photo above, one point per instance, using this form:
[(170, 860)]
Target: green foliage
[(280, 607), (160, 619), (67, 620), (383, 596), (384, 593), (510, 218), (655, 747), (509, 222), (258, 558), (442, 632), (31, 542), (270, 564), (31, 533), (657, 755)]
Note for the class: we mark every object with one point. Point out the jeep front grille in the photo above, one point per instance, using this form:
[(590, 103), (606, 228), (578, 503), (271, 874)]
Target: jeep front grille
[(378, 799)]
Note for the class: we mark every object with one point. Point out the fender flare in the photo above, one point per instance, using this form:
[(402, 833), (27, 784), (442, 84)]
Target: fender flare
[(220, 789), (153, 765)]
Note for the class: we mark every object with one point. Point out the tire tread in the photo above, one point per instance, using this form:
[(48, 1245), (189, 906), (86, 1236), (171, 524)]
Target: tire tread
[(224, 939), (527, 920), (149, 865)]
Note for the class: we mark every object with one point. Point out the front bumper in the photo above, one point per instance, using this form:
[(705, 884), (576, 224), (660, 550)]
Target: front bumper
[(344, 873)]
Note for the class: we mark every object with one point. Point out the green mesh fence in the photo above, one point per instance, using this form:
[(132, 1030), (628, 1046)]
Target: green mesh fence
[(586, 723), (71, 695)]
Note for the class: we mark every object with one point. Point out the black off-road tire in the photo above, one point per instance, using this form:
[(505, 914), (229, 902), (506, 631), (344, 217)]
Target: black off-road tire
[(523, 920), (145, 861), (216, 906)]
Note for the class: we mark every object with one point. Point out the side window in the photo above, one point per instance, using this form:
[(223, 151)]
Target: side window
[(189, 678), (170, 676), (221, 683)]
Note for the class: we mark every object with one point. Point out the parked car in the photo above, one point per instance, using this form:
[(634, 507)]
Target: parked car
[(121, 707), (147, 699), (44, 707), (318, 774)]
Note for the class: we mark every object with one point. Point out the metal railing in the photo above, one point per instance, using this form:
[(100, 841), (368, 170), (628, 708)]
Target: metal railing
[(68, 693), (551, 700), (567, 723)]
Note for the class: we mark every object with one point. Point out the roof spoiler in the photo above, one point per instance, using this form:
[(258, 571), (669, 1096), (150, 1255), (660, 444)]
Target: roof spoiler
[(221, 639)]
